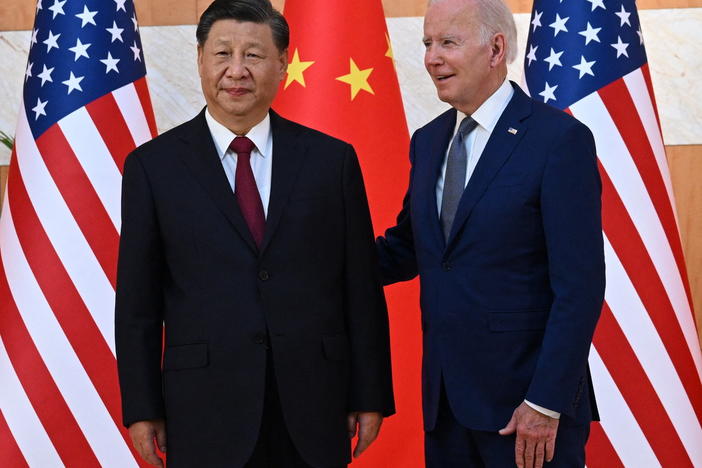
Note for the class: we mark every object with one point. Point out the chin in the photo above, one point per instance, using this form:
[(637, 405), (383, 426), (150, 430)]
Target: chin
[(445, 97)]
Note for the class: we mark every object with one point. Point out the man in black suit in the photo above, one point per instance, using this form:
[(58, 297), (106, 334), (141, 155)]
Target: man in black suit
[(248, 236)]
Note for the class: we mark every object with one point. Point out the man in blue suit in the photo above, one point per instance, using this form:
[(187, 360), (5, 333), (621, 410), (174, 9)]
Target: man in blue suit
[(501, 221)]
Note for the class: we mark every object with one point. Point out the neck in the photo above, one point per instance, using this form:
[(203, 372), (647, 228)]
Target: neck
[(239, 125), (491, 85)]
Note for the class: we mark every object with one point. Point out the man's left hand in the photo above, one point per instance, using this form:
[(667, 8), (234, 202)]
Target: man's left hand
[(536, 436), (368, 428)]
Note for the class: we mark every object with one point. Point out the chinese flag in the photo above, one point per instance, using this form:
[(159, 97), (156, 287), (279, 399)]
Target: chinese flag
[(341, 80)]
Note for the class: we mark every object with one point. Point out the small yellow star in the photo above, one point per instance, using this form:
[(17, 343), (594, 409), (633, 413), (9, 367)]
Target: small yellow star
[(358, 79), (296, 69), (389, 52)]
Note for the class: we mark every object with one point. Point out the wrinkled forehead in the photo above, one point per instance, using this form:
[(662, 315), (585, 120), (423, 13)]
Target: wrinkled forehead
[(226, 31), (450, 18)]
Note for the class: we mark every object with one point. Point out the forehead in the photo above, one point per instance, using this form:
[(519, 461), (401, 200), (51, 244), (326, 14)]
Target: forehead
[(233, 31), (450, 17)]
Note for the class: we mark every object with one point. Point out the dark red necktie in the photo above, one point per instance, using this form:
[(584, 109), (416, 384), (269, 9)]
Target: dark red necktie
[(246, 191)]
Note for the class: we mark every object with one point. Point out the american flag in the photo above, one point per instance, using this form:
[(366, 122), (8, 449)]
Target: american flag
[(85, 106), (588, 58)]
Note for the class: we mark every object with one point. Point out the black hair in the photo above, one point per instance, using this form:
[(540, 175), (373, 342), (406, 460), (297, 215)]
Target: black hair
[(255, 11)]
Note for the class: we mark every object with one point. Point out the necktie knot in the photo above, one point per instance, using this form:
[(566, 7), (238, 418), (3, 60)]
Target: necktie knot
[(467, 125), (242, 146)]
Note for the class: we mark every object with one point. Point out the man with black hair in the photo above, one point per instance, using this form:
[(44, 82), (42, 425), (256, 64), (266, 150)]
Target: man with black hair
[(248, 237)]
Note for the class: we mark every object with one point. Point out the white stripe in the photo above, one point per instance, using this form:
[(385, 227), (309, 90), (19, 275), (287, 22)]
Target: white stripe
[(95, 158), (636, 84), (643, 337), (617, 421), (133, 113), (66, 370), (620, 167), (24, 424), (65, 235)]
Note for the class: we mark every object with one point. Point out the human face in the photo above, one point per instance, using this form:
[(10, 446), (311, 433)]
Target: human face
[(459, 63), (240, 69)]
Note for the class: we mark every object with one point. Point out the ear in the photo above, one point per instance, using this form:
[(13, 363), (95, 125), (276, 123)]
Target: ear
[(498, 49), (283, 58), (200, 53)]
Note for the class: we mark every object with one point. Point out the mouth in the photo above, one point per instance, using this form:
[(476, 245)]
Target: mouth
[(442, 78), (236, 91)]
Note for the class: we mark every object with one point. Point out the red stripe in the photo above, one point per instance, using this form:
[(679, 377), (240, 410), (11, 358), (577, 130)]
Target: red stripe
[(76, 321), (11, 454), (630, 249), (639, 394), (649, 84), (142, 90), (82, 201), (44, 395), (621, 107), (599, 450), (109, 121)]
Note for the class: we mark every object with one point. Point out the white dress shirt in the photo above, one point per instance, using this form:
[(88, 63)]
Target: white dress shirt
[(261, 155), (486, 116)]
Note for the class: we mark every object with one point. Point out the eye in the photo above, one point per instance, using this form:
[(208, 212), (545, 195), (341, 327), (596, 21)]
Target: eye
[(448, 42), (252, 55), (426, 44), (221, 53)]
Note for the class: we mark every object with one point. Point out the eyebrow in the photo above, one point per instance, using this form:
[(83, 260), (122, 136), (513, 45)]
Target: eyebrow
[(448, 36), (247, 44)]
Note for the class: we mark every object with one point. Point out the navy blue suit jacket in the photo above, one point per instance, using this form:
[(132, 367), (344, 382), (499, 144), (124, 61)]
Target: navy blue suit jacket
[(510, 302)]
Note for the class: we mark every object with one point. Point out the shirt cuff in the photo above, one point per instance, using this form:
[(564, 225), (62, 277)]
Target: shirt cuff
[(542, 410)]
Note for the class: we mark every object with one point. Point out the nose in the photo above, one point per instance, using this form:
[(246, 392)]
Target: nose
[(432, 57), (236, 68)]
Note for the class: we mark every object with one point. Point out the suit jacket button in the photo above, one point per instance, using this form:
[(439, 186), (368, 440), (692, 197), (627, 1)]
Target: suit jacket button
[(260, 338), (263, 275), (446, 266)]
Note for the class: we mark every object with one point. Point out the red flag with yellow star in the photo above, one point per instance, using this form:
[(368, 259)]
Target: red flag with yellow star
[(342, 81)]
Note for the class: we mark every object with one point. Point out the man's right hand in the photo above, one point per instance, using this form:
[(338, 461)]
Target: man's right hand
[(143, 434)]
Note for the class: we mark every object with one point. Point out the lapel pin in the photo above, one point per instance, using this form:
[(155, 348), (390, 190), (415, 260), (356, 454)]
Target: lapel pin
[(513, 131)]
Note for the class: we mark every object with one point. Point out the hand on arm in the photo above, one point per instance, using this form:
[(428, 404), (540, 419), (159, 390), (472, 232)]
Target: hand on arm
[(368, 424), (536, 436), (143, 434)]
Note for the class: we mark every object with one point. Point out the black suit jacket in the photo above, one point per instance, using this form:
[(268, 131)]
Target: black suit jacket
[(311, 294)]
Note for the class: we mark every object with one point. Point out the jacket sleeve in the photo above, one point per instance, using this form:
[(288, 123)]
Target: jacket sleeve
[(365, 307), (139, 304), (571, 216), (396, 254)]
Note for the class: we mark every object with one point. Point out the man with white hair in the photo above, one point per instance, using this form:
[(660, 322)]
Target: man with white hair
[(502, 224)]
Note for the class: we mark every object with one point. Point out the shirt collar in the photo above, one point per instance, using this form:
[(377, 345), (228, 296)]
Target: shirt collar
[(260, 135), (490, 111)]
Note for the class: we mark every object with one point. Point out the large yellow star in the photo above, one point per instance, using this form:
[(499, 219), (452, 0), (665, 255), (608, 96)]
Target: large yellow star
[(358, 79), (389, 52), (296, 70)]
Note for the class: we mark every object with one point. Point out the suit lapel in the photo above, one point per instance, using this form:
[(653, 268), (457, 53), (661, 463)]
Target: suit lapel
[(497, 151), (289, 153), (438, 141), (200, 156)]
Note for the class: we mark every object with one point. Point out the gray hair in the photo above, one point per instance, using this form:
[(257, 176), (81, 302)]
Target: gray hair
[(495, 17)]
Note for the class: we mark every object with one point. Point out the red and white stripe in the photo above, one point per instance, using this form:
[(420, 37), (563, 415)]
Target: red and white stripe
[(645, 361), (59, 231)]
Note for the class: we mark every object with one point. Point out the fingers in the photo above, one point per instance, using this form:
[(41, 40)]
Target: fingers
[(539, 454), (529, 448), (351, 424), (550, 448), (519, 449), (510, 427), (147, 450), (161, 437), (142, 434), (368, 429)]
